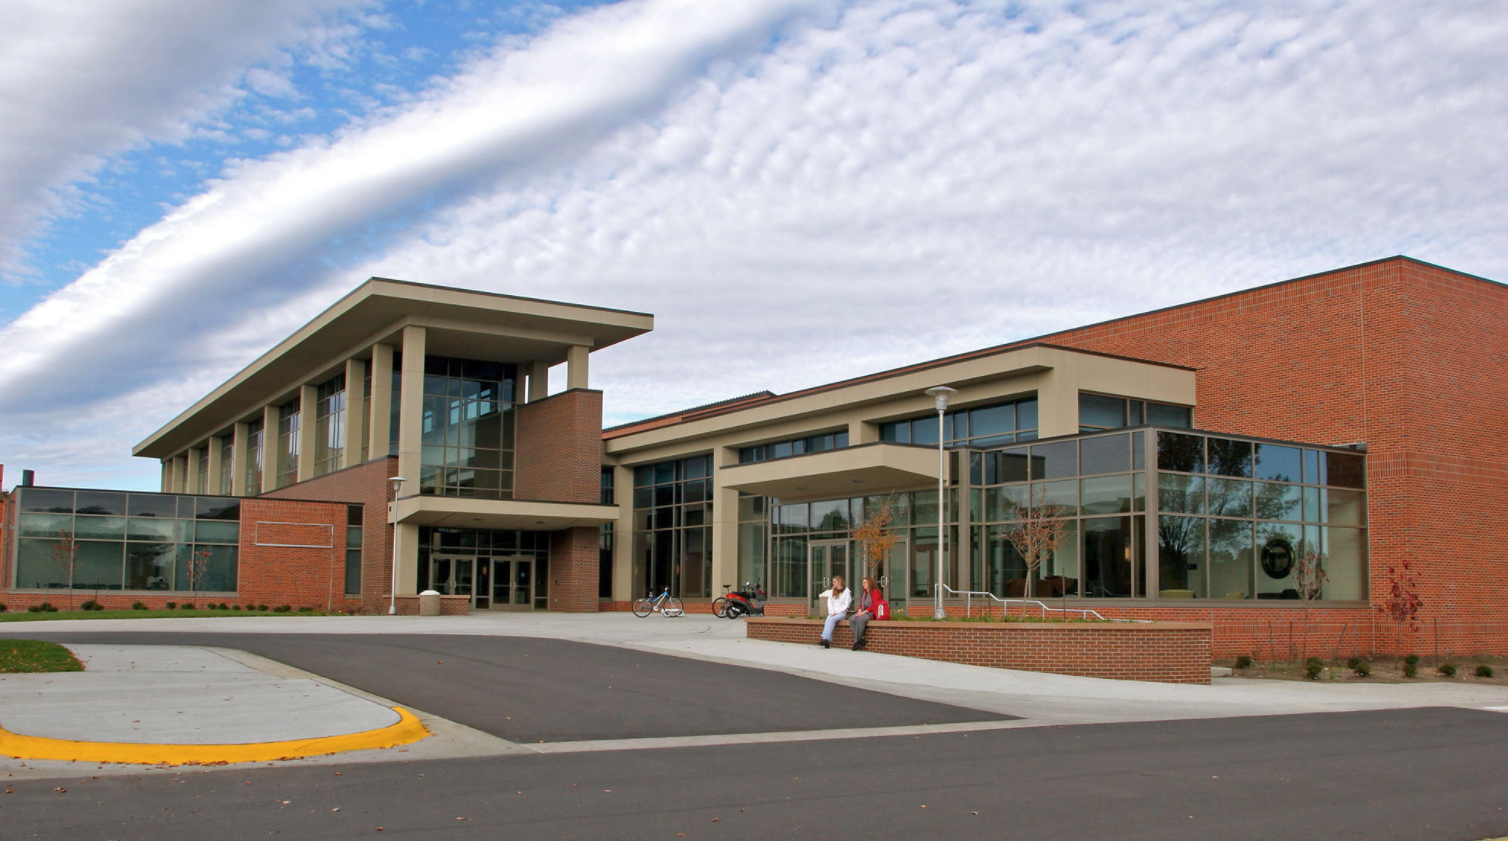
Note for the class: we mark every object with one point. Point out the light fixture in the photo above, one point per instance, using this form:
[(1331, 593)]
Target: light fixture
[(940, 395), (392, 605)]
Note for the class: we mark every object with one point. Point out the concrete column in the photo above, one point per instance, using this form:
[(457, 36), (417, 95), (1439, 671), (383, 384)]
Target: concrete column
[(308, 430), (180, 465), (354, 431), (576, 357), (411, 408), (191, 472), (271, 459), (964, 549), (724, 523), (167, 476), (623, 535), (862, 432), (379, 431), (406, 536), (539, 381), (217, 465), (238, 464), (1057, 404)]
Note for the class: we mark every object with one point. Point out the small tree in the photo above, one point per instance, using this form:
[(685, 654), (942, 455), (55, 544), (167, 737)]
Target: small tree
[(1309, 579), (198, 562), (1039, 534), (65, 558), (876, 538), (1402, 602)]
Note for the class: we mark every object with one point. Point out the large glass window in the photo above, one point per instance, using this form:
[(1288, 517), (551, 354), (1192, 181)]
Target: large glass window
[(353, 550), (100, 541), (794, 447), (467, 429), (289, 419), (254, 456), (330, 426), (1103, 411), (673, 528), (981, 427), (227, 463)]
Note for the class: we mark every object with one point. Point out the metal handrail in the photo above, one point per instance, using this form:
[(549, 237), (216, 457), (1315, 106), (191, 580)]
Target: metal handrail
[(1083, 612)]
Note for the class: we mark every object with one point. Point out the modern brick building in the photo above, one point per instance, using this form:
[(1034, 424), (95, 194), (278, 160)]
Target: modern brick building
[(1198, 456)]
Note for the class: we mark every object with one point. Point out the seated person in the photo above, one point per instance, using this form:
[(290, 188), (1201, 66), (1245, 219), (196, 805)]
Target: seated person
[(839, 601), (872, 605)]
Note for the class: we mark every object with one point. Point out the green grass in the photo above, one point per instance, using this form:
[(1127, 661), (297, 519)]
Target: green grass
[(30, 656), (22, 615)]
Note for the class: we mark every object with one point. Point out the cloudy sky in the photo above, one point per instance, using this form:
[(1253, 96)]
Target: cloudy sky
[(799, 190)]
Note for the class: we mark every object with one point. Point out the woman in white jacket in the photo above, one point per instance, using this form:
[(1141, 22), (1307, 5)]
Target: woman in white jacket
[(838, 602)]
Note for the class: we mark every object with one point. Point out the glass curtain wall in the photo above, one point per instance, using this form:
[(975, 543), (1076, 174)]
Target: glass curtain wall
[(202, 485), (289, 417), (979, 426), (482, 546), (227, 462), (330, 425), (1103, 411), (794, 447), (254, 455), (467, 429), (109, 541), (672, 534)]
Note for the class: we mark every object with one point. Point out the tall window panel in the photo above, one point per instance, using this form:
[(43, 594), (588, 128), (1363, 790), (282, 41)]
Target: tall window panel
[(673, 527), (227, 463), (289, 418), (255, 453), (467, 428), (981, 427), (330, 426)]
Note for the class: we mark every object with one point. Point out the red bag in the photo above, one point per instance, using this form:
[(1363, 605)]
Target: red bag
[(882, 609)]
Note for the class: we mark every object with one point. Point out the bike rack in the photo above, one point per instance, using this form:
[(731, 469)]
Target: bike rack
[(1083, 612)]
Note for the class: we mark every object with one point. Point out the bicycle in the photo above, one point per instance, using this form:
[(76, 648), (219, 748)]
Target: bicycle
[(666, 604)]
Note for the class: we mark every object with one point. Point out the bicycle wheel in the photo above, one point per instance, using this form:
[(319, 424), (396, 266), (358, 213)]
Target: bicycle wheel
[(673, 607), (643, 607), (719, 607)]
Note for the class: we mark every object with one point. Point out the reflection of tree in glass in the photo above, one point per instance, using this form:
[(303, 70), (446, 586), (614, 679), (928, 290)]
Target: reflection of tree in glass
[(65, 557), (876, 538), (1309, 579), (1039, 534), (1181, 540)]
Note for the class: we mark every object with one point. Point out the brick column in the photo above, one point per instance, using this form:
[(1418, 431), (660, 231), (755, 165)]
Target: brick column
[(573, 570)]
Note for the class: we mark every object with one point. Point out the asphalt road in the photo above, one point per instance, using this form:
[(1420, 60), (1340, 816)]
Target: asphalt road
[(532, 690), (1402, 774)]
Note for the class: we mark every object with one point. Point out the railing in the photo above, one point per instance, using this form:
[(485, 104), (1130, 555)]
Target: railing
[(968, 596)]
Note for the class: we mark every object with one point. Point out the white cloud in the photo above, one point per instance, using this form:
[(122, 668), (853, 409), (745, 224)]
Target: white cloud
[(81, 81), (899, 181)]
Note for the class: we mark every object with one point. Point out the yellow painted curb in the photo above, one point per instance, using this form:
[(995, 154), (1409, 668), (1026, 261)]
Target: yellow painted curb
[(408, 729)]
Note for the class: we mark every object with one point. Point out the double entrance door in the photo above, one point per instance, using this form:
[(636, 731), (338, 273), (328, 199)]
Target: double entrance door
[(492, 583), (827, 558)]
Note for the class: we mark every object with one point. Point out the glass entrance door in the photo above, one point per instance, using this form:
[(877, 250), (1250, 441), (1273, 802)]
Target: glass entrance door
[(826, 558), (451, 575), (513, 584)]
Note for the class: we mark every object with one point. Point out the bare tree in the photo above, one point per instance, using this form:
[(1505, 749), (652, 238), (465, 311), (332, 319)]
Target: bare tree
[(1308, 577), (198, 562), (876, 538), (1039, 534), (65, 557)]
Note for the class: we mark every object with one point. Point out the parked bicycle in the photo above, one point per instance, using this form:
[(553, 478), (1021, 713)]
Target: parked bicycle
[(665, 604)]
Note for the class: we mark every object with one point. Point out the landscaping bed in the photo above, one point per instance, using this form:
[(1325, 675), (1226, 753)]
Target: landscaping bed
[(35, 656), (1379, 669)]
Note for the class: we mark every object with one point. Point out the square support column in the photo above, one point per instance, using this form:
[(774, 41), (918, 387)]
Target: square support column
[(576, 364), (724, 523), (271, 458), (238, 463), (354, 432), (191, 472), (623, 535), (379, 430), (411, 408), (180, 468), (308, 430), (406, 538), (215, 474), (539, 381)]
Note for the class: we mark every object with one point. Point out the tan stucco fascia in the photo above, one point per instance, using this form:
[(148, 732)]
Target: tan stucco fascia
[(864, 470), (501, 514), (374, 313)]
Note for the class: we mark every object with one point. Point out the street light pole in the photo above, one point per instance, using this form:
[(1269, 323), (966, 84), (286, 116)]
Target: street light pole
[(392, 606), (940, 395)]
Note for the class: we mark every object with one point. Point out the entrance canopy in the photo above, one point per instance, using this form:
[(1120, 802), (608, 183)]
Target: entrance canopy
[(501, 514), (852, 471)]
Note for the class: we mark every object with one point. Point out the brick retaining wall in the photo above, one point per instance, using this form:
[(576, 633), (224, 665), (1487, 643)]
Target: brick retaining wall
[(1166, 652)]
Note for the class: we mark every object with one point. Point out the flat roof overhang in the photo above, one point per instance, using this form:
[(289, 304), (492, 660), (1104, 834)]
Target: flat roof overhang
[(528, 515), (458, 322), (853, 471)]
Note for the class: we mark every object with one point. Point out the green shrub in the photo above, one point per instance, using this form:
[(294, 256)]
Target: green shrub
[(1362, 668), (283, 608), (237, 607), (1410, 669), (1446, 669), (1312, 668), (3, 608), (172, 605), (44, 607), (1243, 661), (224, 606), (138, 606), (306, 609), (1484, 670), (187, 606), (91, 605), (262, 608), (1353, 662), (1411, 660)]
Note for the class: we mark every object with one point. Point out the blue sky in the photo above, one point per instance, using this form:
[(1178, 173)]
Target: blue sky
[(800, 190)]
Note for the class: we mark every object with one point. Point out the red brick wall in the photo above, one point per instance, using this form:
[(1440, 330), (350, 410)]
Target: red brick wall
[(1166, 652), (574, 570), (365, 485), (558, 448), (1410, 358), (293, 552)]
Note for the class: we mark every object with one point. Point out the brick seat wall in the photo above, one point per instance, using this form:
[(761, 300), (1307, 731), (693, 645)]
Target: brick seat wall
[(1165, 652)]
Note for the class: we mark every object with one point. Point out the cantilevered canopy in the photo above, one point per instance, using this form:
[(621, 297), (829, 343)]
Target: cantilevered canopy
[(501, 514), (853, 471)]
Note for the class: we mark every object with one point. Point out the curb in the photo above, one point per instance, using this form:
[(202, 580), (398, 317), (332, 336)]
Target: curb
[(408, 729)]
